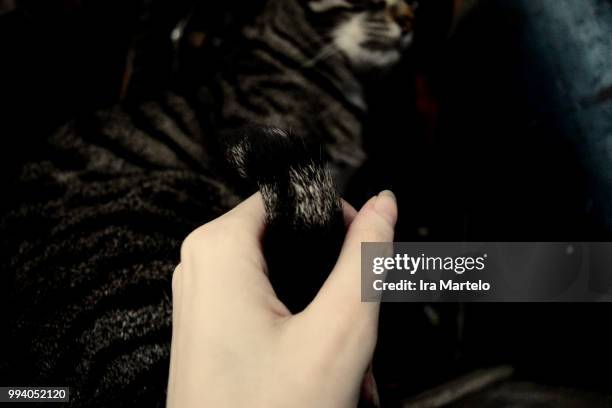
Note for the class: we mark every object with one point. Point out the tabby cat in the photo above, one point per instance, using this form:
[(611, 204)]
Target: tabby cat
[(91, 236)]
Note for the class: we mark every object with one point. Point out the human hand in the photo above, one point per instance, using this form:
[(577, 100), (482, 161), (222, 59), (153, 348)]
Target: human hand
[(234, 344)]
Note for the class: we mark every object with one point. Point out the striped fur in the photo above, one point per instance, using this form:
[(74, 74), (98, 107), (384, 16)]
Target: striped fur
[(93, 242), (291, 72), (91, 237)]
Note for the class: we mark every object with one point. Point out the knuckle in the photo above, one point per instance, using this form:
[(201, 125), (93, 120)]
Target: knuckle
[(195, 240), (187, 246), (208, 238)]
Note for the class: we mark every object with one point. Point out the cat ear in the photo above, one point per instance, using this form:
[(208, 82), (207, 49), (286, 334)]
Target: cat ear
[(320, 6)]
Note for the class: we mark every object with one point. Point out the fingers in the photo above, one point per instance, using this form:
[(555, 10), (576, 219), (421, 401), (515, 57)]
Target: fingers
[(231, 244), (250, 215), (349, 213), (247, 219), (242, 227), (340, 296)]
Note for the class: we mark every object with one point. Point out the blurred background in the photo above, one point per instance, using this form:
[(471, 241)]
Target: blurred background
[(496, 126)]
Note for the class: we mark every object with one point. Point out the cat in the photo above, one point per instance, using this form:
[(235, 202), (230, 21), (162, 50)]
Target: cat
[(91, 235), (299, 68)]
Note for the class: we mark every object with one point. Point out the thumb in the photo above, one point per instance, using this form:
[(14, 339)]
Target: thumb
[(340, 296)]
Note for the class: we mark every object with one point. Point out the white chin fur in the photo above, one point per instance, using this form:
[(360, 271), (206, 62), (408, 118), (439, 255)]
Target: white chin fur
[(349, 35), (406, 41)]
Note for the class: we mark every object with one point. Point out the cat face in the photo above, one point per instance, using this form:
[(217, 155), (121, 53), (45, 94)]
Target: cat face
[(371, 33)]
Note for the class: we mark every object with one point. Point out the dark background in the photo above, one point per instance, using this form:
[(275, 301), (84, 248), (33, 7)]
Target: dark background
[(463, 131)]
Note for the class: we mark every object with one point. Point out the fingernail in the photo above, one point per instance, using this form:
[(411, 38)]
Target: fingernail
[(386, 206)]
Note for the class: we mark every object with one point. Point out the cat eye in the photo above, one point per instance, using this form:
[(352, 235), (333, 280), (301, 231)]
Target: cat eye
[(363, 5), (378, 4)]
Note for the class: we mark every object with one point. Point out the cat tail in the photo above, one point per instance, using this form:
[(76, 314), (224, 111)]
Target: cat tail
[(305, 223)]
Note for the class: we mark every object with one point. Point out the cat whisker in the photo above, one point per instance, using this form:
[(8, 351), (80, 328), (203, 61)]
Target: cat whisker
[(325, 53)]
